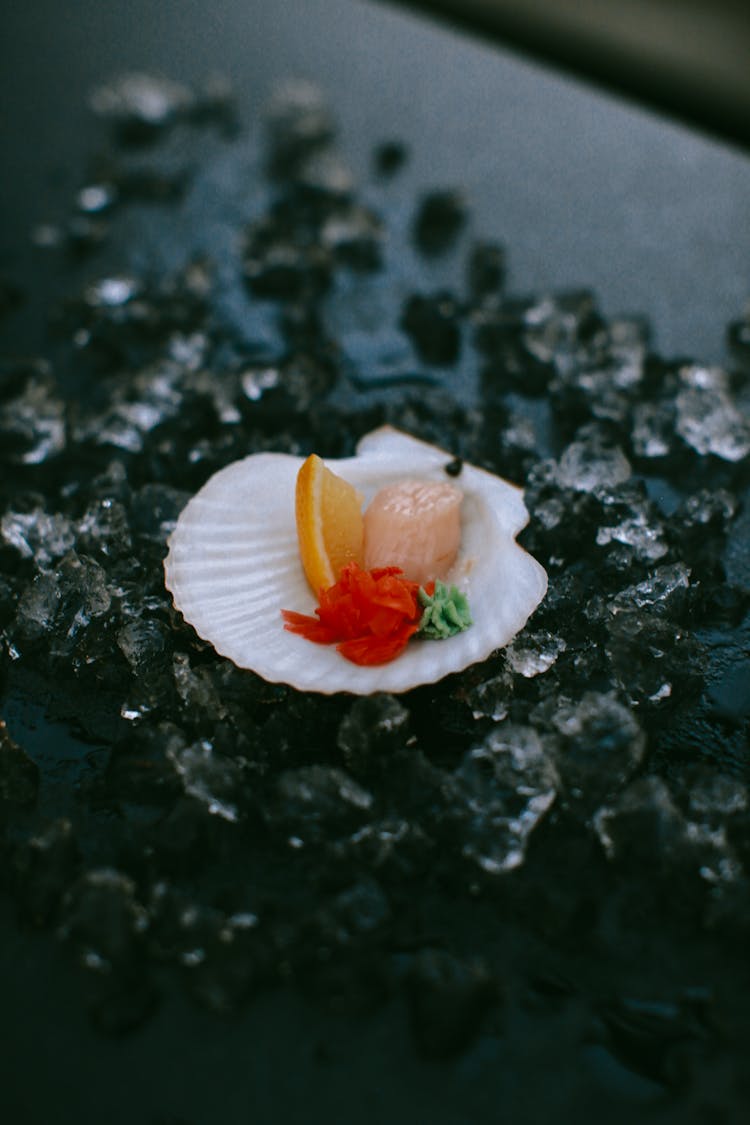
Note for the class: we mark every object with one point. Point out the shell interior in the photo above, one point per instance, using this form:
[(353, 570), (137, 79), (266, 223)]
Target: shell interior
[(233, 565)]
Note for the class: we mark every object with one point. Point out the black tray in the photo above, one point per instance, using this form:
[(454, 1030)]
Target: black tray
[(584, 193)]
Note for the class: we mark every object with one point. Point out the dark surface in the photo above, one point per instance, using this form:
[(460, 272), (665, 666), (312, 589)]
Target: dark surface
[(585, 191), (683, 58), (582, 192)]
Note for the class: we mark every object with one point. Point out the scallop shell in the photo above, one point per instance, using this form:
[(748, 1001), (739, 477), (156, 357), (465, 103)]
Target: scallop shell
[(233, 565)]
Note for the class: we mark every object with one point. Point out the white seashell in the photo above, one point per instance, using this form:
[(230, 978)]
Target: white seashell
[(233, 565)]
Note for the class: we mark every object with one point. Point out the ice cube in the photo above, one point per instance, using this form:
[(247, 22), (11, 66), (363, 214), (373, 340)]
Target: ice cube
[(139, 103), (282, 262), (316, 802), (601, 745), (142, 642), (112, 292), (196, 689), (398, 847), (652, 429), (155, 510), (255, 381), (103, 919), (354, 235), (705, 511), (643, 826), (639, 531), (37, 535), (60, 604), (96, 198), (492, 697), (653, 658), (532, 654), (503, 789), (589, 464), (707, 418), (664, 588), (375, 727), (298, 122), (211, 778), (32, 422), (563, 328), (104, 529)]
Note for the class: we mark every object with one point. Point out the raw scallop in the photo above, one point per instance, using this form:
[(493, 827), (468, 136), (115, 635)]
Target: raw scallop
[(233, 565), (415, 525)]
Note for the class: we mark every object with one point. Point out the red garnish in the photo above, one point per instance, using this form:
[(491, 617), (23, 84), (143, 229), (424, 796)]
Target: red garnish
[(368, 614)]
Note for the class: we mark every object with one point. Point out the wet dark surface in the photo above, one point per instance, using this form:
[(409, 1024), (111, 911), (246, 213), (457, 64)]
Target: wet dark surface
[(523, 890)]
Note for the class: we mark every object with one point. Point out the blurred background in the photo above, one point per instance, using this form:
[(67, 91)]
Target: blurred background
[(688, 58)]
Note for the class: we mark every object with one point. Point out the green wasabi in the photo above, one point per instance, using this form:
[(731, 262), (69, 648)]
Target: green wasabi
[(446, 612)]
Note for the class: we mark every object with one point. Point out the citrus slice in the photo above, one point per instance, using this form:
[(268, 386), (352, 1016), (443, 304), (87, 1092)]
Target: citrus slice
[(330, 527)]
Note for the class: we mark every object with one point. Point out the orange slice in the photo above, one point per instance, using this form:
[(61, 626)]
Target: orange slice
[(330, 527)]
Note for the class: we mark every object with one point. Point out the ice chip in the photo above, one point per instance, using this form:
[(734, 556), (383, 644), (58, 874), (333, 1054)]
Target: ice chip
[(375, 726), (601, 746), (532, 654), (395, 845), (37, 535), (111, 292), (652, 429), (63, 602), (326, 174), (491, 698), (642, 826), (708, 420), (354, 234), (96, 198), (298, 122), (282, 261), (705, 509), (590, 464), (504, 787), (211, 778), (628, 339), (255, 381), (135, 100), (653, 658), (195, 687), (154, 511), (713, 797), (637, 531), (33, 423), (661, 589), (142, 643), (103, 919), (104, 529), (316, 802), (561, 330)]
